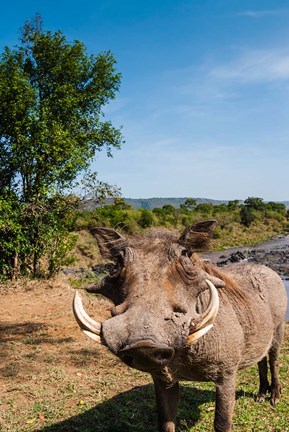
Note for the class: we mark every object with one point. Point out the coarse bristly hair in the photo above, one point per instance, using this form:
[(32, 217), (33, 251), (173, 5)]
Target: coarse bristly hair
[(231, 289), (194, 241)]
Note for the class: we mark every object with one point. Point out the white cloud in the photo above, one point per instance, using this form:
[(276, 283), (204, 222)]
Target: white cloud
[(261, 13), (254, 66)]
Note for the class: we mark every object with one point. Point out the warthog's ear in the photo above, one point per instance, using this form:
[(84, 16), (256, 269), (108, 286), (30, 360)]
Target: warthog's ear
[(110, 242), (197, 236), (205, 226)]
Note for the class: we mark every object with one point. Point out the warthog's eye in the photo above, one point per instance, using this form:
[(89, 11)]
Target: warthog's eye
[(120, 259), (119, 265), (186, 253), (180, 308)]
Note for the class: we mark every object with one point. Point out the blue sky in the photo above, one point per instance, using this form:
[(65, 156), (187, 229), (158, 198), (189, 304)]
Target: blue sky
[(204, 100)]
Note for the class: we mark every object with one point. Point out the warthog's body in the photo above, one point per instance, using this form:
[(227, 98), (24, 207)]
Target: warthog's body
[(161, 294)]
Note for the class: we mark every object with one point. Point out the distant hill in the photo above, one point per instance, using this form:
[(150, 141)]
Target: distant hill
[(151, 203)]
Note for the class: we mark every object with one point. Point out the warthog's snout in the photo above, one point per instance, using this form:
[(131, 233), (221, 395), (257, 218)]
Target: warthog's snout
[(146, 354)]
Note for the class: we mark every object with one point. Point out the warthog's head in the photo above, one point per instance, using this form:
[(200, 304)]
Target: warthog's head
[(155, 286)]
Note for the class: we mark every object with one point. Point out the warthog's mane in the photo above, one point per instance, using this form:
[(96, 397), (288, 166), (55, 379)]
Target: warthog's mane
[(231, 290), (198, 241)]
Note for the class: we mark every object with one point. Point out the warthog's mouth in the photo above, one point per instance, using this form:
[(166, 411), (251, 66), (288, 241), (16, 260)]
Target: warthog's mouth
[(146, 354)]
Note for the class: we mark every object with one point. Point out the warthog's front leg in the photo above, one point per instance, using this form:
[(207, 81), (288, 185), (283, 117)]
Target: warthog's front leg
[(225, 400), (167, 399)]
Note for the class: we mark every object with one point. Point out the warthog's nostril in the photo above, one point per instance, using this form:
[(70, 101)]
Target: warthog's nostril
[(127, 359), (164, 355)]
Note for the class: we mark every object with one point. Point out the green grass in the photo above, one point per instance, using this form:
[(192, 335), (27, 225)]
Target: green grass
[(106, 396)]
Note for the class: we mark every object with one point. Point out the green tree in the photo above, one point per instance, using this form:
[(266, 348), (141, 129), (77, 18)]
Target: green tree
[(95, 192), (205, 208), (189, 205), (146, 219), (51, 96), (12, 238), (255, 203), (247, 215), (52, 93), (169, 209), (120, 204), (276, 206), (233, 204)]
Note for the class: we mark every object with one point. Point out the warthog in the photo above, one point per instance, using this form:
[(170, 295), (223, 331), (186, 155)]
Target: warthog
[(180, 318)]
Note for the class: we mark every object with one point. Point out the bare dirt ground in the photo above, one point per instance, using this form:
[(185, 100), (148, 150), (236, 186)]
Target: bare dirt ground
[(48, 369)]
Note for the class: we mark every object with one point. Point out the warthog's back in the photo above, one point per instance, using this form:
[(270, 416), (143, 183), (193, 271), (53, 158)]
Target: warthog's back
[(265, 286), (263, 316)]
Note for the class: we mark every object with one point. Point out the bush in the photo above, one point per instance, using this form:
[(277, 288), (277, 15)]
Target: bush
[(247, 216), (146, 219)]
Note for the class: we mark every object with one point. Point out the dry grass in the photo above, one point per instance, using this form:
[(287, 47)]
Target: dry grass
[(234, 234)]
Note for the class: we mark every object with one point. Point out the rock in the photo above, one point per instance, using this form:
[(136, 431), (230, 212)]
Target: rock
[(274, 255), (101, 270), (69, 271), (233, 258)]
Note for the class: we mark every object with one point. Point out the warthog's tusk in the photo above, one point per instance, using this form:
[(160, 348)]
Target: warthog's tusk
[(90, 327), (208, 317)]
